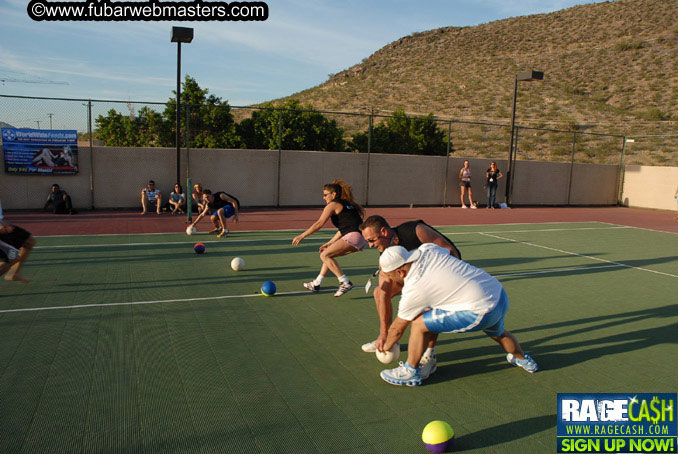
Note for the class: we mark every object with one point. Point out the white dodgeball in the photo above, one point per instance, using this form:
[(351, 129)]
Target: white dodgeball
[(389, 356), (238, 264)]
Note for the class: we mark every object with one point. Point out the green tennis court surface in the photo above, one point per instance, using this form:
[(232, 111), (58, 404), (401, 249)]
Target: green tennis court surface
[(137, 344)]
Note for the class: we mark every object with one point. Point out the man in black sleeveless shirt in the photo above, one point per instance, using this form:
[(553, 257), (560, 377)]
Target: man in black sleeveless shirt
[(221, 206), (409, 235)]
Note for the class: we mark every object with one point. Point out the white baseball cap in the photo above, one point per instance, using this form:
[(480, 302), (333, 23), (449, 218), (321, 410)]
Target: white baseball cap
[(396, 256)]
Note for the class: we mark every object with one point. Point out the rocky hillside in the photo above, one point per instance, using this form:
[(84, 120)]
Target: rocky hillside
[(609, 67)]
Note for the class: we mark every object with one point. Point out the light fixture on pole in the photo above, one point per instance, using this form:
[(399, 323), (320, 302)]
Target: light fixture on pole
[(521, 76), (180, 35)]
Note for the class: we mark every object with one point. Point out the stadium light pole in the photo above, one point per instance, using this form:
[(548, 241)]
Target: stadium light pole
[(180, 35), (521, 76)]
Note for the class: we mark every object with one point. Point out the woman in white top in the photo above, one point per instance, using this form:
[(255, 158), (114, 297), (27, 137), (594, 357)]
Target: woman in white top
[(177, 200), (465, 182)]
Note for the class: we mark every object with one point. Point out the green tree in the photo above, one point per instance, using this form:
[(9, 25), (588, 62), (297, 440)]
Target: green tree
[(301, 129), (210, 120), (210, 123), (401, 134), (133, 130)]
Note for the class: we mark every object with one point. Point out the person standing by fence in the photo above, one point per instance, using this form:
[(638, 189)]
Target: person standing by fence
[(493, 177), (464, 183)]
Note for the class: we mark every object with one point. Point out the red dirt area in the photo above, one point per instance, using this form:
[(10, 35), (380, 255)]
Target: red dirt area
[(130, 222)]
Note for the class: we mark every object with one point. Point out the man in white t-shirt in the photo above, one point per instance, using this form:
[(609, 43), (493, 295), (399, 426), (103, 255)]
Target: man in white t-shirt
[(151, 197), (442, 294)]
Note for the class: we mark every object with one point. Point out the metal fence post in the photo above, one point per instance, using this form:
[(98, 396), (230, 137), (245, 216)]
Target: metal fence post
[(569, 184), (447, 162), (188, 140), (279, 153), (512, 167), (622, 171), (91, 153), (188, 190), (369, 150)]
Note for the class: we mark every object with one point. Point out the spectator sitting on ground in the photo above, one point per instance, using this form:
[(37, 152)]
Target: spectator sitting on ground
[(198, 199), (177, 200), (60, 200), (150, 197)]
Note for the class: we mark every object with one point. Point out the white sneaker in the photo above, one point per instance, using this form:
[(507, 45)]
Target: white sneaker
[(404, 374), (343, 288), (369, 347), (311, 286), (427, 366), (464, 206)]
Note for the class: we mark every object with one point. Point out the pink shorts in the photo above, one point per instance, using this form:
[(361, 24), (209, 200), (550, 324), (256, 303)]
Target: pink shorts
[(356, 240)]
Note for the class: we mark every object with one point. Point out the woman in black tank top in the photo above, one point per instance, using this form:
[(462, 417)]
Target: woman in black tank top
[(346, 215)]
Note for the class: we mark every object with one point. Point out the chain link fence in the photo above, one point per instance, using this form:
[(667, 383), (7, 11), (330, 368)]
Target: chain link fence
[(204, 127)]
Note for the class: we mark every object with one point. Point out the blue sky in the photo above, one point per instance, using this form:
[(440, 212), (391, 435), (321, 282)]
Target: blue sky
[(243, 62)]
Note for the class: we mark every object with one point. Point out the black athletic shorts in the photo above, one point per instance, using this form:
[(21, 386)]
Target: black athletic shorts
[(16, 238)]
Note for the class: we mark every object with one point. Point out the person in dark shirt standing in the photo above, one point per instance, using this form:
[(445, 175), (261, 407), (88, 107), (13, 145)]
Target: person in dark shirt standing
[(60, 200), (493, 177), (346, 215)]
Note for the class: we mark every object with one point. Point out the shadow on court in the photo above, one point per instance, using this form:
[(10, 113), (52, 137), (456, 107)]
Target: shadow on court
[(504, 433), (595, 268), (504, 262), (490, 358), (175, 252)]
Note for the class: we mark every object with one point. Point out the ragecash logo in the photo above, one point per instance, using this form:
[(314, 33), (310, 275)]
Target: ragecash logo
[(617, 423)]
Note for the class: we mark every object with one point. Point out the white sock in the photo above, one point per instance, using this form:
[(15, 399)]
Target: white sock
[(318, 280), (430, 352), (343, 279)]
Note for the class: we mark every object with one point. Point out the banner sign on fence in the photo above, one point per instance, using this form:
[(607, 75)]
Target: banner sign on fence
[(617, 423), (40, 152)]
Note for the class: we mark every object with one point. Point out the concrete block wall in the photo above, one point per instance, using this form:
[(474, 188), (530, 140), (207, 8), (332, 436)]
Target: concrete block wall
[(119, 174)]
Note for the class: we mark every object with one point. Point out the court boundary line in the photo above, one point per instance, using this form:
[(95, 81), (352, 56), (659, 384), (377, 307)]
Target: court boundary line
[(302, 229), (640, 228), (252, 295), (578, 255), (139, 303), (315, 239)]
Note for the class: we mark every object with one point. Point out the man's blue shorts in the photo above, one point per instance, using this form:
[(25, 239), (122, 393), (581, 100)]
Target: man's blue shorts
[(228, 211), (492, 323)]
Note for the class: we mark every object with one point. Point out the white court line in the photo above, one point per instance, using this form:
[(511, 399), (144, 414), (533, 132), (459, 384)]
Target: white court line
[(540, 230), (254, 240), (250, 295), (578, 255), (164, 233), (136, 303), (166, 243), (301, 230), (640, 228)]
